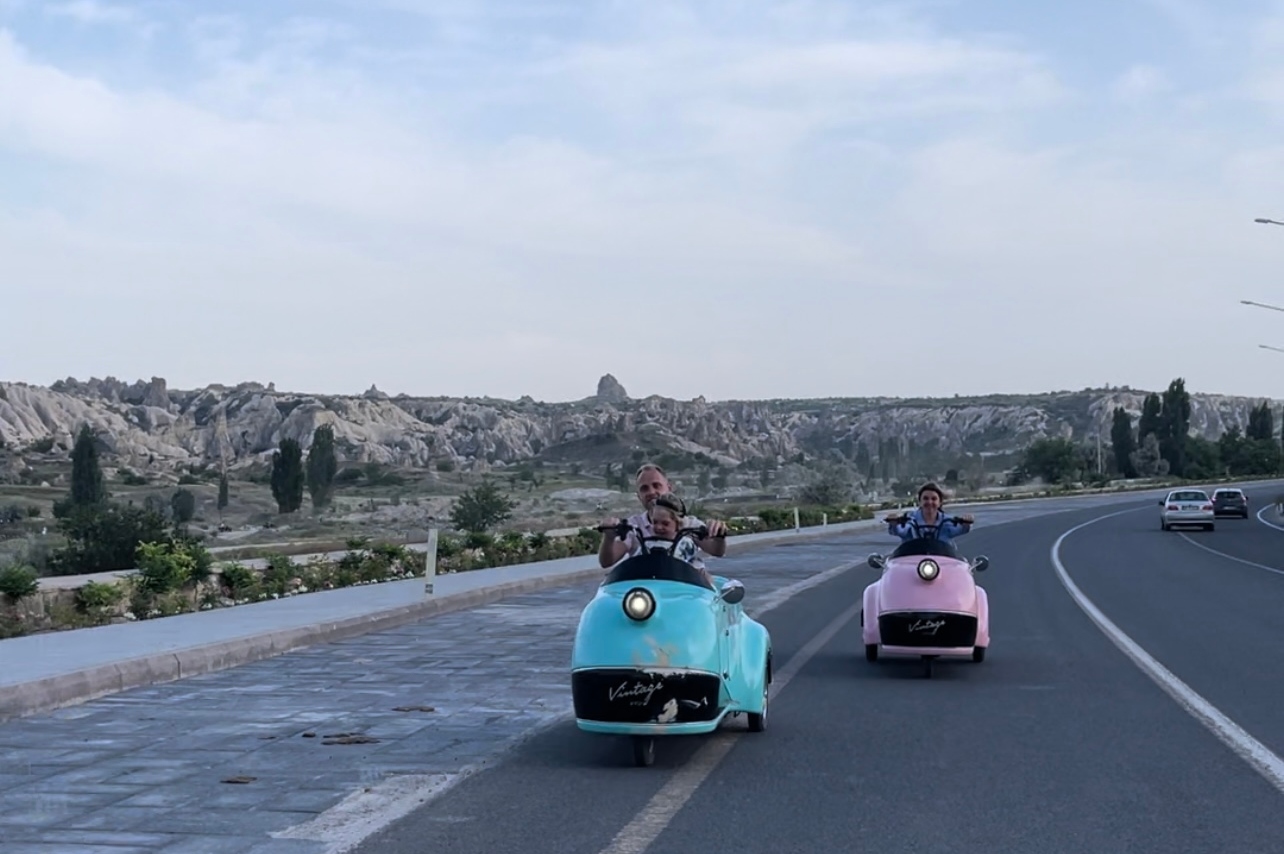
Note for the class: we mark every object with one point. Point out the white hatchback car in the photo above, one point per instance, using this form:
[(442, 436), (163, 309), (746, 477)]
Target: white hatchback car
[(1187, 507)]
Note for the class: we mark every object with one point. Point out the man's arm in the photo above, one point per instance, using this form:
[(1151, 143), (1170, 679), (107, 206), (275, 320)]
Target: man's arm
[(612, 548), (714, 545)]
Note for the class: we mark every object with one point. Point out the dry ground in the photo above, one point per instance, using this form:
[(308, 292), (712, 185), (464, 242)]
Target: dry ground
[(559, 499)]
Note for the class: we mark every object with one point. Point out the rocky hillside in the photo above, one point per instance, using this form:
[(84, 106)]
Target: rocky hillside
[(146, 425)]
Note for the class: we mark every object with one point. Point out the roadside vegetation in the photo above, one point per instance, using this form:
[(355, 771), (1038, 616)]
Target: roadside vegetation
[(1158, 446), (157, 548)]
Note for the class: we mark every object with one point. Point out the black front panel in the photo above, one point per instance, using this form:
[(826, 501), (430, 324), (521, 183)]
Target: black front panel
[(625, 695), (927, 628)]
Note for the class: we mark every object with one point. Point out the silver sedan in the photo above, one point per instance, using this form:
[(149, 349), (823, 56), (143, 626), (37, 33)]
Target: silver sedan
[(1187, 507)]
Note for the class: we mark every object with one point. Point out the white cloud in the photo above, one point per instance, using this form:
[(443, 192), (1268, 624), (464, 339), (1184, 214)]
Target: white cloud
[(1203, 24), (775, 198), (1139, 83), (92, 12)]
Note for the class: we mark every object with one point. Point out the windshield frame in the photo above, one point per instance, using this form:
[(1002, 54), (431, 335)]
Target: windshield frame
[(926, 547), (656, 566)]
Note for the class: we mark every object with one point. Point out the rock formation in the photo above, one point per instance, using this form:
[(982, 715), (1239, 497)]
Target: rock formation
[(146, 424)]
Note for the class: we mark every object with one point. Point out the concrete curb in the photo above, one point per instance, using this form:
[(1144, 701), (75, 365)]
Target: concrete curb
[(67, 689)]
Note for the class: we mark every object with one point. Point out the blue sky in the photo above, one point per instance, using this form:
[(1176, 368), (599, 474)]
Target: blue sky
[(730, 199)]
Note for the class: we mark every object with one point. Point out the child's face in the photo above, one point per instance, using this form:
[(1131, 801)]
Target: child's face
[(664, 524), (929, 500)]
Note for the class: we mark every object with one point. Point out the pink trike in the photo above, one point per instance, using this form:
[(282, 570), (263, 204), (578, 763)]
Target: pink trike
[(926, 603)]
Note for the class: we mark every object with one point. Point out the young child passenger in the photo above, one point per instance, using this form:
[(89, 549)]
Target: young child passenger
[(666, 516)]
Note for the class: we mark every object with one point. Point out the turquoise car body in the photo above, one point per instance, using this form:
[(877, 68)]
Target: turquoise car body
[(697, 658)]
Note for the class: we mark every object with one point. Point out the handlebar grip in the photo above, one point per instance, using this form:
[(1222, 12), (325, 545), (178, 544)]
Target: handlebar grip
[(622, 528)]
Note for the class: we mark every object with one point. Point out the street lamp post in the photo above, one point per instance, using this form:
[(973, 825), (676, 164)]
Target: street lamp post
[(1260, 305), (1265, 221), (1264, 305)]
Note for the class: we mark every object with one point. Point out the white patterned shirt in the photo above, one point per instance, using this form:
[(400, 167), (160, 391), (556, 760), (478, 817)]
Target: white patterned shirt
[(685, 549)]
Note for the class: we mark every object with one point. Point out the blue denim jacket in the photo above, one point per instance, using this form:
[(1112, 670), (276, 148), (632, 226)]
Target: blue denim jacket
[(915, 527)]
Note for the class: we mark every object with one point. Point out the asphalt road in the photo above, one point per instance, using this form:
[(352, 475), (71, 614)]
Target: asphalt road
[(1058, 742)]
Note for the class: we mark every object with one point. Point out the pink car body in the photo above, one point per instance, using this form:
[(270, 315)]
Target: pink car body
[(926, 603)]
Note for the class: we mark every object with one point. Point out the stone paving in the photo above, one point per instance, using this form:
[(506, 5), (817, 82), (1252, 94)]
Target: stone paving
[(217, 763)]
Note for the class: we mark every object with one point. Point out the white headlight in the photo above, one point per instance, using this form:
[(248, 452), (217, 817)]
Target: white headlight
[(928, 569), (639, 604)]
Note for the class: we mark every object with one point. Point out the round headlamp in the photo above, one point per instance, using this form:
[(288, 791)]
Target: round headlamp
[(928, 569), (639, 604)]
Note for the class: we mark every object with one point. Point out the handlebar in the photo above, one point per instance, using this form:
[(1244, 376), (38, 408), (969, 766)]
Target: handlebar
[(622, 529), (904, 517)]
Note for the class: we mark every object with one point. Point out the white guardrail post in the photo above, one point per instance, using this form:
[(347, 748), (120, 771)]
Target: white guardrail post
[(797, 524), (430, 562)]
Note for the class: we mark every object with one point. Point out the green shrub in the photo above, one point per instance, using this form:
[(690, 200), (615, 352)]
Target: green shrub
[(18, 582), (98, 600), (240, 582)]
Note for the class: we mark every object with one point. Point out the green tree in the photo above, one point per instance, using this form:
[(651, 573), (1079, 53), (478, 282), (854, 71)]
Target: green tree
[(287, 476), (323, 465), (1174, 430), (1241, 455), (1054, 460), (830, 488), (479, 509), (1260, 456), (1203, 458), (87, 487), (1147, 460), (1121, 441), (222, 494), (1151, 417), (183, 504), (1261, 422), (1230, 450), (105, 537)]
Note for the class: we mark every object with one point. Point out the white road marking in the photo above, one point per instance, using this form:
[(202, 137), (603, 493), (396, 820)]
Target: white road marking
[(1259, 513), (367, 810), (1230, 557), (651, 821), (775, 599), (1252, 751), (363, 813)]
